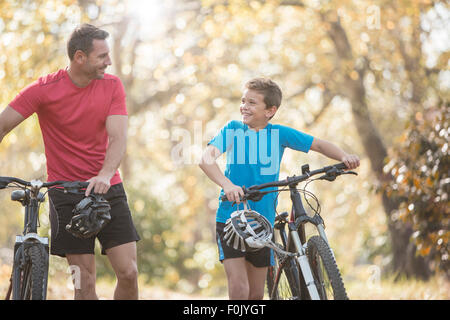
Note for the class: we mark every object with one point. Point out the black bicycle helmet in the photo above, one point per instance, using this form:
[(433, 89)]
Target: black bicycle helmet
[(89, 216), (247, 230)]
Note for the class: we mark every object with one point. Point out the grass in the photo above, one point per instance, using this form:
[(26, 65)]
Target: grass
[(362, 287), (437, 288)]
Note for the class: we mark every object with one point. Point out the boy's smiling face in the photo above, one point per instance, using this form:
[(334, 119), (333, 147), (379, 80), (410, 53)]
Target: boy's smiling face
[(254, 112)]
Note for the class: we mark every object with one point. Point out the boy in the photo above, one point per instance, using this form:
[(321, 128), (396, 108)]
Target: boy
[(254, 150)]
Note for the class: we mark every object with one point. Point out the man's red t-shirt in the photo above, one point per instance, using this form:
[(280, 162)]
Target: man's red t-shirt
[(73, 122)]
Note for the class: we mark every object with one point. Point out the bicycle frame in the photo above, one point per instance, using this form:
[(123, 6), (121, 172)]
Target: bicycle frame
[(300, 218), (30, 197), (295, 240), (296, 236)]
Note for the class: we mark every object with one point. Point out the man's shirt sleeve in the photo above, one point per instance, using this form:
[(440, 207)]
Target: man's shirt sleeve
[(118, 103), (28, 100)]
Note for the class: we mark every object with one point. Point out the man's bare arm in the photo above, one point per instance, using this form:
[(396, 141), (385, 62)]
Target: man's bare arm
[(116, 126), (9, 119)]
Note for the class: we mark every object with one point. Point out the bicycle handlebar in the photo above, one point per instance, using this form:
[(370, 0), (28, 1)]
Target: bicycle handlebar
[(331, 172), (68, 185)]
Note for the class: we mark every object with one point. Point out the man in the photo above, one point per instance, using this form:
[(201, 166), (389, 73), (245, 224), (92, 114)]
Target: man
[(83, 119)]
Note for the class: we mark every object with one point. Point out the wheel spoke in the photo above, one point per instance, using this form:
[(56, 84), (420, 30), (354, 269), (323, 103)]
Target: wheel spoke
[(282, 277)]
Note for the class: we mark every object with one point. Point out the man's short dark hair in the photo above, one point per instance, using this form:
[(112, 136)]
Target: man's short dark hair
[(269, 89), (82, 37)]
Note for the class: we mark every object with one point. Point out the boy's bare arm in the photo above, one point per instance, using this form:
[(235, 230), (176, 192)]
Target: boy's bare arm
[(209, 165), (334, 152)]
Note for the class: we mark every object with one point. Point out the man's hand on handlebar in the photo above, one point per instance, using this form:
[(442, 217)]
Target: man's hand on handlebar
[(99, 184)]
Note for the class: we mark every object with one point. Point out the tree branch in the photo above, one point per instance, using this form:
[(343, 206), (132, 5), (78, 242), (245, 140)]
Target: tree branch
[(301, 91), (327, 98)]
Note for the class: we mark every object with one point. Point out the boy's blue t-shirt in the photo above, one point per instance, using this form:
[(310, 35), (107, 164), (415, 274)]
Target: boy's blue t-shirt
[(254, 158)]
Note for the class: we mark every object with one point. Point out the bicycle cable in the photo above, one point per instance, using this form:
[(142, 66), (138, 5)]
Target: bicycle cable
[(318, 208), (15, 185), (276, 199), (305, 193)]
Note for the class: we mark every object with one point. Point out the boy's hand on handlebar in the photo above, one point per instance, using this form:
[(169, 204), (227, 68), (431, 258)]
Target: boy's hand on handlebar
[(233, 192), (351, 161)]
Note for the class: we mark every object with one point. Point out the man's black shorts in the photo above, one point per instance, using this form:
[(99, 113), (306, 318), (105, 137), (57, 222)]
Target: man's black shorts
[(119, 230), (260, 258)]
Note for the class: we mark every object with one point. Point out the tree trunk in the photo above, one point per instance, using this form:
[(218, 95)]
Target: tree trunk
[(404, 262), (403, 250)]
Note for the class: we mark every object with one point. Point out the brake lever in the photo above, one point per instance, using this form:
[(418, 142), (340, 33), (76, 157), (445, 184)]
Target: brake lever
[(327, 177), (252, 195), (332, 174)]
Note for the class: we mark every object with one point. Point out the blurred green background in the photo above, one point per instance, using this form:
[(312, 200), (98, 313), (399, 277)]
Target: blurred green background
[(371, 76)]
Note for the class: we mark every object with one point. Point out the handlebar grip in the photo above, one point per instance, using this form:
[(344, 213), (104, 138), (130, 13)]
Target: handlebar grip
[(224, 198), (80, 184), (75, 186), (4, 181), (341, 166)]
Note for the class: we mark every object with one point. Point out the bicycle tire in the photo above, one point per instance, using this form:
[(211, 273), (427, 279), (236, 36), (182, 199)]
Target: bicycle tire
[(30, 276), (323, 264), (288, 285)]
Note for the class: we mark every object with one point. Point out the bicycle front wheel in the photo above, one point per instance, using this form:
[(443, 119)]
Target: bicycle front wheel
[(325, 271), (30, 272), (283, 279)]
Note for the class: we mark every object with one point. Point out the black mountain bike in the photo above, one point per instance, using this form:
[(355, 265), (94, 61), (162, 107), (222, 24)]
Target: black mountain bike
[(31, 256), (304, 268)]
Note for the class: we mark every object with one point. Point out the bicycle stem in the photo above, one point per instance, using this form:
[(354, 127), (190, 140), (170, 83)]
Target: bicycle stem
[(31, 217)]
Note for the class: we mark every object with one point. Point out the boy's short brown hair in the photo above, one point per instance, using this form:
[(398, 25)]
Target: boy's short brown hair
[(82, 38), (269, 89)]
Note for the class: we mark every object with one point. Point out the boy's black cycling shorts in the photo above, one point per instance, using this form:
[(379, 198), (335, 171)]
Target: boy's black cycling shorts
[(261, 258), (119, 230)]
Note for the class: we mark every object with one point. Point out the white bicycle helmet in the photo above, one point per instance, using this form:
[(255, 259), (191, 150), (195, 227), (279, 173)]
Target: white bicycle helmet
[(247, 230)]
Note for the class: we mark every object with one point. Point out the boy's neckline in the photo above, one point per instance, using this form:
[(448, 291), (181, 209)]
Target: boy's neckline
[(268, 123)]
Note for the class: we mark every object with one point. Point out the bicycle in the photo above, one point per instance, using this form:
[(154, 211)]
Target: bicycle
[(305, 269), (29, 275)]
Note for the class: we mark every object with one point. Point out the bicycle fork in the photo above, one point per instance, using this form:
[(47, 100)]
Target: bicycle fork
[(304, 266), (295, 238), (321, 230)]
